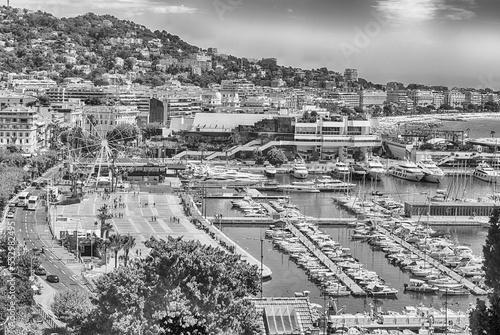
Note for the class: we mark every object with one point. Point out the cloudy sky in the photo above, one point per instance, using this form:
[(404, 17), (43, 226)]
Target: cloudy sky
[(446, 42)]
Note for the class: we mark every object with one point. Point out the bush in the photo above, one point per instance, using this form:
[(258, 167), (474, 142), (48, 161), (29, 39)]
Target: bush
[(69, 201)]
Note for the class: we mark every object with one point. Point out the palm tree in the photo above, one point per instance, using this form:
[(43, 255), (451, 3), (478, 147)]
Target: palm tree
[(128, 245), (202, 147), (106, 228), (103, 214), (116, 243)]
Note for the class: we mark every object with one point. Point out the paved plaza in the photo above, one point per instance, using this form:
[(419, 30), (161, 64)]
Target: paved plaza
[(144, 215)]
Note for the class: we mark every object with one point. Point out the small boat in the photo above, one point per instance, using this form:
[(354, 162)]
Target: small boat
[(420, 286), (454, 291), (380, 290), (406, 170), (486, 173), (270, 170)]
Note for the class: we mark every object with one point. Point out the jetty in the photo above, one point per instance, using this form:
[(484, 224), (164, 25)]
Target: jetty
[(265, 221), (345, 279), (467, 283)]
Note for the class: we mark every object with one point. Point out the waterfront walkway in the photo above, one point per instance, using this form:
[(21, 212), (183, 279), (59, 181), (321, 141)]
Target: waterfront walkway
[(143, 215), (467, 283), (345, 279)]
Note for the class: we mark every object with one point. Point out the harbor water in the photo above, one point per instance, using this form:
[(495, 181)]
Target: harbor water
[(288, 278)]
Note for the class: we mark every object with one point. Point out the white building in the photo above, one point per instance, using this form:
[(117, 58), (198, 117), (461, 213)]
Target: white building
[(372, 98), (22, 127)]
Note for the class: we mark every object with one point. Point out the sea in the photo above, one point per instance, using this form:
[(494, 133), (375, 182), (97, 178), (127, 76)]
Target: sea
[(288, 278)]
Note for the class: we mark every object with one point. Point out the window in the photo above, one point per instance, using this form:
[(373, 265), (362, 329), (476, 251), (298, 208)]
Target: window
[(27, 134)]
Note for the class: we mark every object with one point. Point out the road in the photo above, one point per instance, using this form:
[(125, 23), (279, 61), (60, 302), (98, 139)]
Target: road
[(33, 229)]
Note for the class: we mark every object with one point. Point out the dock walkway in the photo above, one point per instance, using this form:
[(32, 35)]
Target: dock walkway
[(269, 221), (467, 283), (345, 279)]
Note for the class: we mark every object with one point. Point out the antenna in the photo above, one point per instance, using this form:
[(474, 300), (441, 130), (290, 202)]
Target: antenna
[(8, 3)]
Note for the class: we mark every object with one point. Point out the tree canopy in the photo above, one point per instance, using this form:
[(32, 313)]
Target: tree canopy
[(181, 287), (484, 319)]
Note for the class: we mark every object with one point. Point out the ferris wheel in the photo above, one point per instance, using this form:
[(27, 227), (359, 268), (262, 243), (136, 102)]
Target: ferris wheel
[(94, 146)]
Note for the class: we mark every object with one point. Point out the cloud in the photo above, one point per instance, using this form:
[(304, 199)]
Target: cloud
[(128, 7), (399, 12), (175, 10)]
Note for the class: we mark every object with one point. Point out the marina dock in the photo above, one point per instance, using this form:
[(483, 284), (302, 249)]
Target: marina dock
[(467, 283), (345, 279), (265, 221)]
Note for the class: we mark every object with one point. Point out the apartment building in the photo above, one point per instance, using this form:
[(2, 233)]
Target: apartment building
[(22, 126), (349, 99), (454, 98), (371, 98), (472, 97), (351, 75), (102, 119), (240, 86), (421, 98)]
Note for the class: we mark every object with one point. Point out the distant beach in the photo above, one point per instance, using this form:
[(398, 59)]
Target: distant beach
[(390, 124)]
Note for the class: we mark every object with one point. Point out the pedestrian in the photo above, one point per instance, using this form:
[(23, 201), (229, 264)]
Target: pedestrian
[(154, 204)]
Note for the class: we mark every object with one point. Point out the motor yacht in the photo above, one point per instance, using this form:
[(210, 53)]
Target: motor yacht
[(299, 170), (358, 171), (328, 184), (304, 187), (406, 170), (432, 173), (486, 173), (341, 170), (420, 286), (270, 170), (374, 169)]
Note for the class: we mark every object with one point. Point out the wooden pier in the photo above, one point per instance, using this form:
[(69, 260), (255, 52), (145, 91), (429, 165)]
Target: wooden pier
[(345, 279), (467, 283)]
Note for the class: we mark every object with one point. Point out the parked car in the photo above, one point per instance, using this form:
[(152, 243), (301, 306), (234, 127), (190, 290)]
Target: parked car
[(53, 279), (10, 215), (40, 271)]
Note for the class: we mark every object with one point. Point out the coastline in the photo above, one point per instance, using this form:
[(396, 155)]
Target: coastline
[(427, 118)]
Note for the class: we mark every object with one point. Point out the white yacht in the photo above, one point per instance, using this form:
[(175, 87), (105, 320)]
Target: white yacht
[(270, 170), (328, 184), (341, 170), (432, 173), (374, 169), (302, 187), (406, 170), (299, 170), (485, 172)]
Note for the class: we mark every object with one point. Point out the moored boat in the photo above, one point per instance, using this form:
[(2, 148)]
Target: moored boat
[(420, 286), (374, 169), (406, 170), (270, 171), (299, 170), (486, 173), (432, 173)]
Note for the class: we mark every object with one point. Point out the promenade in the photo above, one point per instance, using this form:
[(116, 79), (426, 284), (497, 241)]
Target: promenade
[(142, 215)]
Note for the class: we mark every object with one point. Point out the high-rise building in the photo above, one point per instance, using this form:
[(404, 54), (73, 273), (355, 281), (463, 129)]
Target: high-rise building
[(351, 75)]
